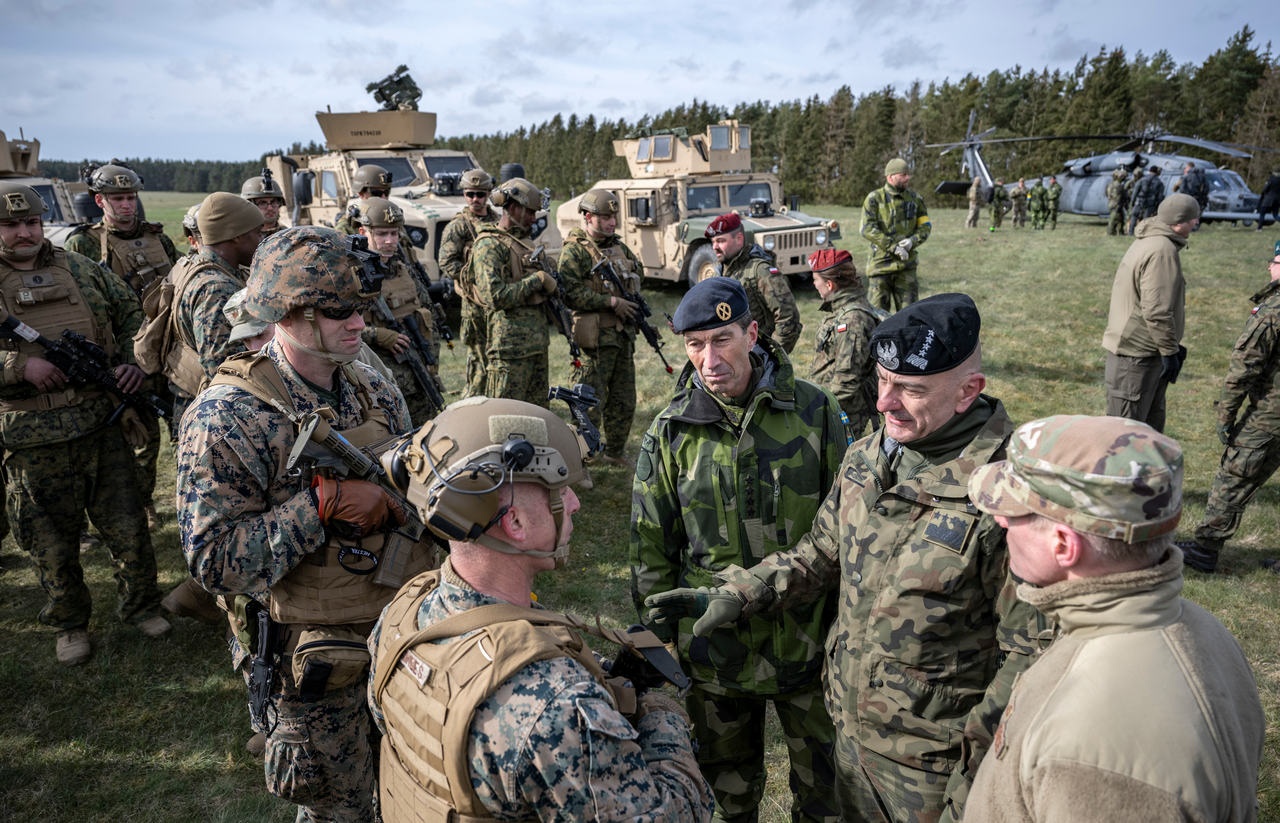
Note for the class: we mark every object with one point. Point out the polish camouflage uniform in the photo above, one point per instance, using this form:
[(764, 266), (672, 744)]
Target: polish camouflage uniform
[(999, 204), (516, 331), (1038, 199), (455, 250), (889, 216), (720, 485), (139, 258), (61, 460), (1018, 197), (976, 200), (843, 364), (249, 528), (1053, 195), (608, 363), (1147, 194), (1252, 452), (773, 306), (1117, 199)]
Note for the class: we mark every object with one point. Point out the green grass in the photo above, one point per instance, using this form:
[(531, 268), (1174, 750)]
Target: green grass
[(155, 730)]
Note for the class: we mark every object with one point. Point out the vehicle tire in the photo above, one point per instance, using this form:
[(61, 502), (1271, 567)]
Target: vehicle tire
[(702, 264), (510, 171)]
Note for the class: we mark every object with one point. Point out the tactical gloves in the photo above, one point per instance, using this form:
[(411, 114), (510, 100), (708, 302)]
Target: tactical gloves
[(625, 308), (1170, 365), (549, 284), (356, 504), (903, 249), (713, 607)]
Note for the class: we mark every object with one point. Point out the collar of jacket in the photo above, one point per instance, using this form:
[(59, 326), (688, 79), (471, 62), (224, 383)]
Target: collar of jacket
[(1127, 601), (694, 404), (1266, 291)]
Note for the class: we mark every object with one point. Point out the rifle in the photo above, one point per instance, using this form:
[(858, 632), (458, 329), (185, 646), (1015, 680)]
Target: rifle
[(323, 447), (84, 363), (605, 267), (555, 306), (580, 398), (437, 293), (262, 671), (418, 356)]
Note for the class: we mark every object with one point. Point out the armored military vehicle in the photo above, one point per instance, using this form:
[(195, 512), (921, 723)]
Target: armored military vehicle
[(681, 182), (20, 163), (425, 181)]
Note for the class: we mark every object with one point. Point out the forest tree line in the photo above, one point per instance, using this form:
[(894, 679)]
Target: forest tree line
[(833, 150)]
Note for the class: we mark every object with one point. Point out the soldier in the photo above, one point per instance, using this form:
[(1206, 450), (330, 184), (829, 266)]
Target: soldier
[(1090, 504), (895, 222), (1018, 197), (370, 180), (1147, 196), (928, 637), (512, 287), (406, 298), (843, 364), (1252, 451), (1053, 194), (733, 470), (1194, 183), (64, 454), (140, 254), (455, 251), (601, 318), (976, 198), (264, 192), (999, 204), (191, 230), (538, 733), (1269, 201), (289, 550), (1038, 199), (1117, 198), (1131, 195), (1147, 315), (773, 306)]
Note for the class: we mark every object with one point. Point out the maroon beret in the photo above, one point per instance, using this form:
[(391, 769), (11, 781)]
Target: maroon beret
[(827, 259), (723, 224)]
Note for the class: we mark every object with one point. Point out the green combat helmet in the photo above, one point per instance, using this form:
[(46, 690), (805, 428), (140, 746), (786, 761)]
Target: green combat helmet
[(477, 180), (261, 187), (455, 468), (311, 267), (598, 201), (520, 191), (17, 200), (114, 178), (380, 213), (373, 177)]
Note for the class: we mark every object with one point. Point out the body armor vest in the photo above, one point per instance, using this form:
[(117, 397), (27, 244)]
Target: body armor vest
[(429, 693), (520, 251), (321, 590), (608, 319), (138, 261), (178, 359), (463, 285), (401, 293)]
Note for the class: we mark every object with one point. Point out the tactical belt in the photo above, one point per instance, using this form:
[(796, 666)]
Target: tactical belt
[(48, 401)]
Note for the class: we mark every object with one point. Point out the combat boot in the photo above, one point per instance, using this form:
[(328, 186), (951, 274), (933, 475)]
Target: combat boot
[(155, 626), (256, 745), (1197, 556), (73, 647), (188, 599)]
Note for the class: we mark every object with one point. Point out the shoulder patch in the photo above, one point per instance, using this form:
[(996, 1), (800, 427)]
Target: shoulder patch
[(644, 461), (601, 717), (841, 328), (949, 529)]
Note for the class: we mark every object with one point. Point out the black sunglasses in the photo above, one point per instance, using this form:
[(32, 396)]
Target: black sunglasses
[(338, 314), (475, 195)]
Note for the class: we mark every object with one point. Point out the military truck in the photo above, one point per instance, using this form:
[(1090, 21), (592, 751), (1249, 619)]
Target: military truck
[(20, 163), (425, 181), (680, 182)]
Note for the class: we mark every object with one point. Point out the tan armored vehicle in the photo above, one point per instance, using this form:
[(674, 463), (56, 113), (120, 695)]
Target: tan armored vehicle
[(681, 182), (426, 182), (20, 163)]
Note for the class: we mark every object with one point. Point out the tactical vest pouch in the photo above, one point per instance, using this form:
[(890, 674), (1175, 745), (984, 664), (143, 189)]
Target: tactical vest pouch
[(586, 330), (157, 345), (328, 658)]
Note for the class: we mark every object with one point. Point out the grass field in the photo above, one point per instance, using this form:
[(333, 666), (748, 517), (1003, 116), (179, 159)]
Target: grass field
[(155, 730)]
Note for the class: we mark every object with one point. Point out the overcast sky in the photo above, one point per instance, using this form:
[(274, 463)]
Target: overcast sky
[(231, 79)]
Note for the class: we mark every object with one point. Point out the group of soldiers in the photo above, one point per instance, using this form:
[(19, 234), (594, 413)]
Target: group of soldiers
[(861, 588), (1040, 201), (1138, 195)]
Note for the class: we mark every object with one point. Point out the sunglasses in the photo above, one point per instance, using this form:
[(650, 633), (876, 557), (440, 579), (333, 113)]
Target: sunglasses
[(475, 195), (338, 314)]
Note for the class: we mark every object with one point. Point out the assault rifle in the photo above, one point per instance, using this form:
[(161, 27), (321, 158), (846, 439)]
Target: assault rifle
[(84, 363), (418, 356), (438, 293), (557, 311), (580, 398), (322, 447), (606, 271)]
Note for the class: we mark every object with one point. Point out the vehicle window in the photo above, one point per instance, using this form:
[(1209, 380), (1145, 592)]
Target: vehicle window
[(642, 150), (742, 195), (703, 197), (54, 214), (719, 138), (662, 147), (744, 137), (640, 209), (447, 165), (329, 184)]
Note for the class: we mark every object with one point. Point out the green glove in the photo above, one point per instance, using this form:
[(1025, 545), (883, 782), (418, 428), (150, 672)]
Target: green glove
[(713, 607)]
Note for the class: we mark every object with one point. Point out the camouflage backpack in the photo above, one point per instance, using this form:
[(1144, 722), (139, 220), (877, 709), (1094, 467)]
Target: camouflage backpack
[(157, 345)]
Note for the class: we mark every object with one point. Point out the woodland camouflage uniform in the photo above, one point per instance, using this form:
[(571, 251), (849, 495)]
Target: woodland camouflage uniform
[(517, 330), (721, 485), (1018, 197), (890, 215), (1053, 195), (843, 364), (1038, 199), (999, 205), (1117, 199), (198, 317), (455, 251), (773, 306), (609, 367), (63, 463)]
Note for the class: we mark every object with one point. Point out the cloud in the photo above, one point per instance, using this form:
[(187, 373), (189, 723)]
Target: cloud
[(910, 53)]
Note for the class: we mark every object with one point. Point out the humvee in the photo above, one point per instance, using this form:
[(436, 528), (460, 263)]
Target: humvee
[(20, 163), (425, 181), (681, 182)]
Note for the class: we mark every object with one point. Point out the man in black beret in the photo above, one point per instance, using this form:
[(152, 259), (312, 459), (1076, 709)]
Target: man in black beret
[(924, 648), (732, 470)]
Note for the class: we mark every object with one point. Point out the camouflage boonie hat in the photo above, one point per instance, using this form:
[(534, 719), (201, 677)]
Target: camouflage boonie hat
[(1108, 476), (305, 267), (17, 200)]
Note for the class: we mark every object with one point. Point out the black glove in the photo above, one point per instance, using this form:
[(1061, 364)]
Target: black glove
[(1170, 365)]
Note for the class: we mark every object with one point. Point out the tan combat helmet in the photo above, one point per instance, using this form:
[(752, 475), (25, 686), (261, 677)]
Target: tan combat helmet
[(114, 178), (371, 176), (456, 468), (17, 200), (477, 180), (517, 190), (598, 201), (381, 213), (262, 187)]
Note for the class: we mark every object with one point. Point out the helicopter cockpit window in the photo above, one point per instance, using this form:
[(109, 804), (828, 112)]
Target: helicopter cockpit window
[(742, 195), (719, 138), (642, 150), (662, 147), (402, 173), (703, 197)]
